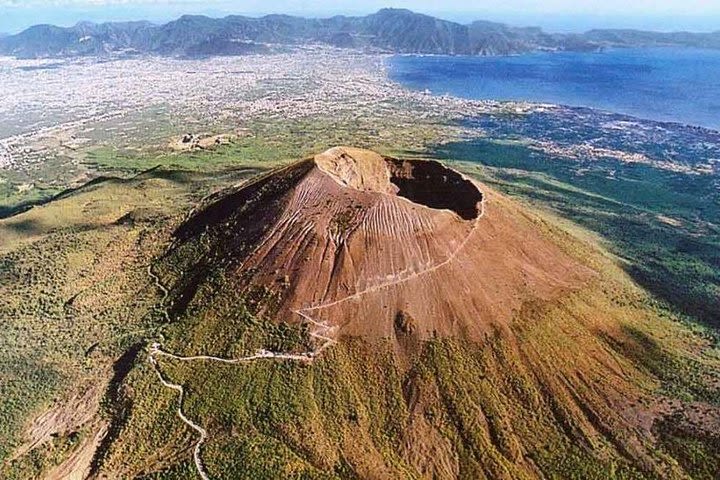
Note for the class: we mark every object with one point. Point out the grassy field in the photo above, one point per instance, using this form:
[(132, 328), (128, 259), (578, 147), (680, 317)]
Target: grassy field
[(261, 145), (75, 295)]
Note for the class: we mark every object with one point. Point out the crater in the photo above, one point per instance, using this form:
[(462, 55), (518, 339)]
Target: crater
[(424, 182), (434, 185)]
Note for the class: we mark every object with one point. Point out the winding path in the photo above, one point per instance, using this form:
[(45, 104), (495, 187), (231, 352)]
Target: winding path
[(321, 331)]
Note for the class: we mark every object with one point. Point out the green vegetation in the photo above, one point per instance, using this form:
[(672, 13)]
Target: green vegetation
[(559, 394), (263, 145), (75, 295), (21, 190), (355, 407)]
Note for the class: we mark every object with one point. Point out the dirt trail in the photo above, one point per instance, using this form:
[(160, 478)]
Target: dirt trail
[(321, 331)]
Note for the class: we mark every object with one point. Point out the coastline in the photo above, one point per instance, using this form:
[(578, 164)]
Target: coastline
[(541, 78)]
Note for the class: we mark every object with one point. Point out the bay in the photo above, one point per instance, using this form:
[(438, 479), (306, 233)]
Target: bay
[(663, 84)]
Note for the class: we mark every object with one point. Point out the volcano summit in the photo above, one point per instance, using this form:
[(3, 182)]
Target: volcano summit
[(376, 247)]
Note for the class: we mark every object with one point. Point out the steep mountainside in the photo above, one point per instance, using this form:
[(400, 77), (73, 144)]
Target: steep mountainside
[(372, 240), (82, 39)]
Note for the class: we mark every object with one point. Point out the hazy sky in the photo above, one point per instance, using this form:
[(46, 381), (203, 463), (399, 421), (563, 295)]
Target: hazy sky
[(555, 15)]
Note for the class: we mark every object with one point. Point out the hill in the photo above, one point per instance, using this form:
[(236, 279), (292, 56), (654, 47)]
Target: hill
[(350, 315), (424, 326)]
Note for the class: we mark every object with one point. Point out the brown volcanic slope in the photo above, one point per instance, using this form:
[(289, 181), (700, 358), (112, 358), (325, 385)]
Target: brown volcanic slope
[(369, 244)]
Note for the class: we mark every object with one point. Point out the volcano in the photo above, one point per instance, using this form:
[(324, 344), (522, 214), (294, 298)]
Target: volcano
[(377, 247), (353, 315)]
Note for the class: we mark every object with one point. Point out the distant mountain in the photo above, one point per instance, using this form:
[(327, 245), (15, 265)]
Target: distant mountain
[(389, 30), (82, 39), (639, 38), (488, 38)]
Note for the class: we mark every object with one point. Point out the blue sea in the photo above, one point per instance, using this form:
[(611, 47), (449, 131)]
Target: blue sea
[(664, 84)]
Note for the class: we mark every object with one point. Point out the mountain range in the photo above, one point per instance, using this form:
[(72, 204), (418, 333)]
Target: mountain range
[(388, 30)]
